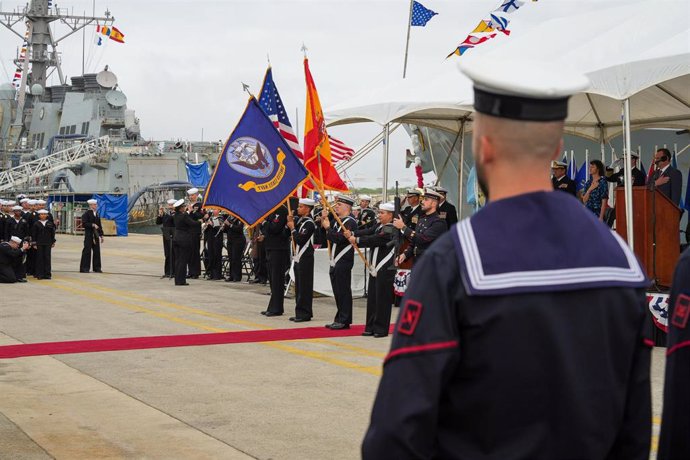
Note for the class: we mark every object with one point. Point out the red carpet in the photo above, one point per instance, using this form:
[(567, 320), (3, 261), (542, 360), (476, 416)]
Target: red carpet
[(165, 341)]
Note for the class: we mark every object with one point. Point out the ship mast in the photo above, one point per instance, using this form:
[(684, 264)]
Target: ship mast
[(42, 52)]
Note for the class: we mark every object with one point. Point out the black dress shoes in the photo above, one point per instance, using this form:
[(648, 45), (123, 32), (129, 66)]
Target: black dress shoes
[(338, 326), (378, 336), (273, 313), (98, 271), (181, 284), (299, 320), (367, 333)]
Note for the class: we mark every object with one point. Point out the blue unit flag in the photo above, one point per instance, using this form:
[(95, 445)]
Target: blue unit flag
[(257, 170), (421, 14)]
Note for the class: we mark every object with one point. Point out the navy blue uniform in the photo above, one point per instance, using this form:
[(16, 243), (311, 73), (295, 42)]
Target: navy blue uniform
[(564, 184), (187, 231), (277, 244), (382, 257), (447, 212), (43, 236), (10, 259), (674, 443), (236, 245), (342, 260), (520, 337), (303, 235), (93, 231), (167, 224), (428, 229), (366, 218)]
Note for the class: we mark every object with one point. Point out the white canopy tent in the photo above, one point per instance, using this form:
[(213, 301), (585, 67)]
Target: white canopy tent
[(635, 52)]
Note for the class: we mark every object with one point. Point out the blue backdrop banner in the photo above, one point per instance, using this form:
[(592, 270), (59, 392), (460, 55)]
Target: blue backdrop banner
[(114, 207), (198, 174)]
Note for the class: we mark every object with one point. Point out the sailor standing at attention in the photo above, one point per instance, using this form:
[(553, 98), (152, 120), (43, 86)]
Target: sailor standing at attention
[(429, 227), (93, 238), (187, 231), (197, 214), (342, 257), (521, 332), (303, 236), (277, 243), (165, 220), (43, 237)]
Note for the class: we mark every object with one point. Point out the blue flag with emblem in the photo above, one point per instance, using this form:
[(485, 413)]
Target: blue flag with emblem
[(581, 177), (257, 170), (421, 14)]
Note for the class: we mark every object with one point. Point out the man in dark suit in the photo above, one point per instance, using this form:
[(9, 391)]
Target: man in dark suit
[(560, 180), (667, 179), (93, 238)]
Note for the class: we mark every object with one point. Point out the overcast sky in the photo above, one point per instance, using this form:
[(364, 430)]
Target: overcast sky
[(183, 61)]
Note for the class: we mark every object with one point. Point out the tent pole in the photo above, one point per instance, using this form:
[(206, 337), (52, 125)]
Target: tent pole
[(461, 168), (628, 176), (386, 138)]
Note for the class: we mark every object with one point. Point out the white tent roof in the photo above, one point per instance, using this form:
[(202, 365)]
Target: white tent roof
[(637, 49)]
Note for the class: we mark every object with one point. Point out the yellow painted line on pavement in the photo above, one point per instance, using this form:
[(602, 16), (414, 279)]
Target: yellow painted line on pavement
[(373, 370)]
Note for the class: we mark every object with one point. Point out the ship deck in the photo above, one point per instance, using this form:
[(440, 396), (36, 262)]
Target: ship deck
[(291, 398)]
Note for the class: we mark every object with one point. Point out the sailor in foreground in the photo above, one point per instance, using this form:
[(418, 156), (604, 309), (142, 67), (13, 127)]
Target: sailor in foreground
[(342, 259), (93, 238), (165, 220), (11, 255), (674, 442), (43, 237), (187, 231), (429, 227), (520, 334), (303, 236), (380, 297)]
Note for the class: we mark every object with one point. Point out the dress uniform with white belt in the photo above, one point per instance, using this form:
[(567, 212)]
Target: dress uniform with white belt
[(342, 256), (382, 257), (303, 237), (521, 333)]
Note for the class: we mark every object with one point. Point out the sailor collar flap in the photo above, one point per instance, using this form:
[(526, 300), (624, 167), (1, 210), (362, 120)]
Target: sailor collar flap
[(541, 242)]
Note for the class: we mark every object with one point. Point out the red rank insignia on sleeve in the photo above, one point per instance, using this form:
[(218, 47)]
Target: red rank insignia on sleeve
[(681, 311), (410, 317)]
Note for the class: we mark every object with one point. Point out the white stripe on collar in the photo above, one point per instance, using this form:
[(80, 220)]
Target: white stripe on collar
[(566, 276)]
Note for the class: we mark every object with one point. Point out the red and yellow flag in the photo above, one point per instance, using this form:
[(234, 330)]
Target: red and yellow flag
[(317, 149)]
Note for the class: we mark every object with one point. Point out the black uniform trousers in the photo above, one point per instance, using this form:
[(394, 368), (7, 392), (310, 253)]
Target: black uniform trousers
[(236, 251), (260, 264), (92, 244), (19, 267), (214, 247), (31, 261), (195, 256), (42, 268), (304, 286), (169, 266), (7, 275), (341, 280), (379, 301), (184, 250), (278, 261)]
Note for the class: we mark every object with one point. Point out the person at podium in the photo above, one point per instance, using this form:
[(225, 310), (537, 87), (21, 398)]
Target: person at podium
[(667, 179), (638, 177)]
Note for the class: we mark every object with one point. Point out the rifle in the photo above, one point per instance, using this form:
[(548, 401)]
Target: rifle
[(397, 237)]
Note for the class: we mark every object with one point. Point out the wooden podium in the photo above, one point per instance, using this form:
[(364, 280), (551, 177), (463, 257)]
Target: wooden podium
[(647, 204)]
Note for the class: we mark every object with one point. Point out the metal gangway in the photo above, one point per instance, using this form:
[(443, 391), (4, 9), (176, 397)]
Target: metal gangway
[(15, 177)]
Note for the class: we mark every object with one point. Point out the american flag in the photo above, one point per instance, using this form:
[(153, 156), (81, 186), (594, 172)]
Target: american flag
[(273, 106), (339, 151)]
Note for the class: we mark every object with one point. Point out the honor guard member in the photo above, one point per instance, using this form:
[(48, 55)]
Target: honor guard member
[(341, 259), (11, 255), (560, 180), (277, 244), (674, 442), (382, 255), (236, 244), (367, 216), (428, 229), (5, 214), (303, 236), (521, 333), (166, 221), (446, 211), (19, 227), (197, 214), (43, 237), (31, 217), (93, 238), (639, 177), (187, 231), (411, 214), (213, 236)]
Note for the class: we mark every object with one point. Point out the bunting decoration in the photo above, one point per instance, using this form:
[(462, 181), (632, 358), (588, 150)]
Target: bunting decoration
[(112, 33), (488, 28), (17, 78)]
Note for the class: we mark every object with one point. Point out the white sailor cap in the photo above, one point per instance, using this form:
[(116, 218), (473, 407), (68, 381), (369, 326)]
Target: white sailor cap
[(365, 198), (3, 203), (558, 164), (178, 203), (17, 208), (522, 89), (24, 200), (192, 191), (16, 239), (33, 202), (356, 208), (431, 193), (10, 203), (440, 189), (172, 201), (345, 199), (20, 196), (92, 201), (42, 211), (414, 192), (390, 207), (40, 201), (307, 202)]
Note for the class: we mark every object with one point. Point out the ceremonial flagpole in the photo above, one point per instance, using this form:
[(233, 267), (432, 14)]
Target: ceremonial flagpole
[(407, 43)]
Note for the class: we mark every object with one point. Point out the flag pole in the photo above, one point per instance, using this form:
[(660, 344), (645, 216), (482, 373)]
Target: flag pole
[(407, 43)]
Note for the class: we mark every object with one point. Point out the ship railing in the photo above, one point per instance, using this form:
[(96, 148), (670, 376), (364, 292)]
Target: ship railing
[(56, 161)]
